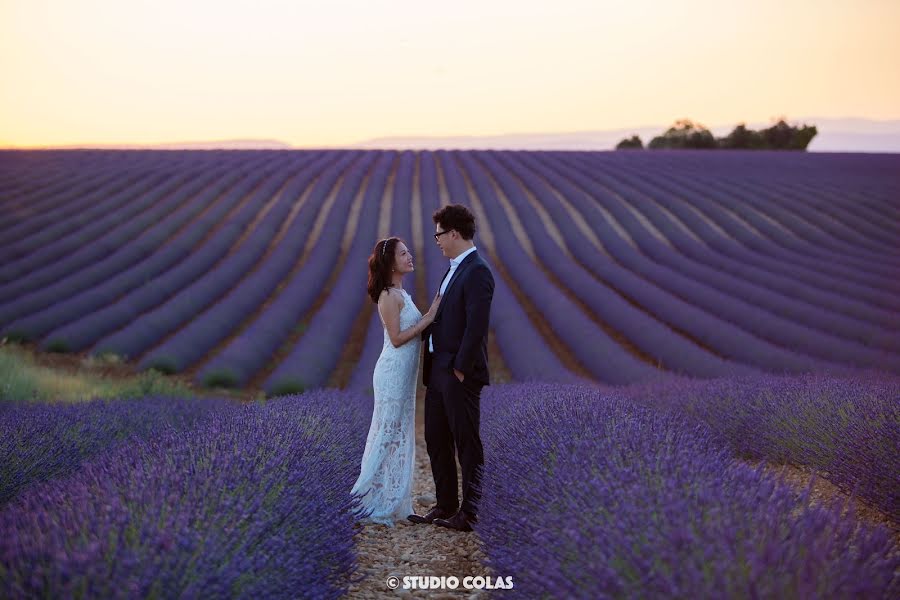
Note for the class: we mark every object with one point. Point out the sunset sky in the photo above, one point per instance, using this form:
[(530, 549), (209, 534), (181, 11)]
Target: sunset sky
[(336, 72)]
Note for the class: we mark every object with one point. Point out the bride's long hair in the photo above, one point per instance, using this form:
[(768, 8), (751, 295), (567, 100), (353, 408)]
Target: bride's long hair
[(380, 262)]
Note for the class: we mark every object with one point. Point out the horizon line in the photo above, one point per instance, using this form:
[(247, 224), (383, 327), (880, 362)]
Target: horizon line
[(275, 143)]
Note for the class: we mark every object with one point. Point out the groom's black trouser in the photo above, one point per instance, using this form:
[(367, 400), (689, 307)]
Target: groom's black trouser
[(453, 418)]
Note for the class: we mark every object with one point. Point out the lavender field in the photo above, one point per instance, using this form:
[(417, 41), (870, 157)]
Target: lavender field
[(247, 268), (621, 493), (207, 500), (667, 328), (590, 492)]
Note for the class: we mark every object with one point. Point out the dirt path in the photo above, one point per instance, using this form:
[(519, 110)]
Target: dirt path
[(417, 550), (824, 492)]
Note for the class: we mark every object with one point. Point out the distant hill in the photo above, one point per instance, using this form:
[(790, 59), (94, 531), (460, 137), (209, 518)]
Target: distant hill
[(856, 135), (227, 145), (249, 144), (835, 135), (580, 140)]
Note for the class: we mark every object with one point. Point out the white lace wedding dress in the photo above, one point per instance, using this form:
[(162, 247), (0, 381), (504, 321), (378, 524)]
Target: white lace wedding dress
[(385, 479)]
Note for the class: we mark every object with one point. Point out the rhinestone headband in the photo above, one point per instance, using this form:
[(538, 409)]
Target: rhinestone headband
[(383, 247)]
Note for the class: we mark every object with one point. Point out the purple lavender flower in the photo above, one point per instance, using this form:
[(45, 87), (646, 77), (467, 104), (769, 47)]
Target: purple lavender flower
[(588, 494)]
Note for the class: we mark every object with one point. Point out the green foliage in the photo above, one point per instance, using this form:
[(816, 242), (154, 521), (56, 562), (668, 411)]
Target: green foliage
[(110, 358), (287, 387), (58, 345), (742, 138), (632, 143), (12, 335), (220, 378), (684, 134), (782, 136), (15, 384), (688, 134), (152, 383), (164, 364), (21, 379)]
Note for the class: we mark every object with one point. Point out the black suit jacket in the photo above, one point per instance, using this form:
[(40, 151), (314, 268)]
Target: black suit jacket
[(460, 327)]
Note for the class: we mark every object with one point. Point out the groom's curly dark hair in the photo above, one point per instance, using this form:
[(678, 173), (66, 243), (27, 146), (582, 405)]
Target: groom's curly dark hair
[(458, 217)]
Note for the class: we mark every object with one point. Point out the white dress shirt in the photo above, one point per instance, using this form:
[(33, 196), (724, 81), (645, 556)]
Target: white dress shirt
[(454, 262)]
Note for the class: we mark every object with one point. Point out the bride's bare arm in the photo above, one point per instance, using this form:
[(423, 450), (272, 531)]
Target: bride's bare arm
[(389, 305)]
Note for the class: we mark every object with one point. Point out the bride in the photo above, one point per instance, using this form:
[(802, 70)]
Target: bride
[(385, 478)]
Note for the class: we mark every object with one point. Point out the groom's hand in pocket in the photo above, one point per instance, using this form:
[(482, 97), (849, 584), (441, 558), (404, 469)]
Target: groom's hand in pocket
[(459, 375)]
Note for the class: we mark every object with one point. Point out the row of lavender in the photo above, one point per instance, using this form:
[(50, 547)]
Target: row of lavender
[(845, 426), (753, 277), (623, 492), (177, 497)]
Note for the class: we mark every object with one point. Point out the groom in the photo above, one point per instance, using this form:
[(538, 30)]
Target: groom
[(455, 370)]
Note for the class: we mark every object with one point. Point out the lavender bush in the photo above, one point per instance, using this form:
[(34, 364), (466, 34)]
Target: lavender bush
[(846, 425), (589, 495), (253, 502), (39, 441)]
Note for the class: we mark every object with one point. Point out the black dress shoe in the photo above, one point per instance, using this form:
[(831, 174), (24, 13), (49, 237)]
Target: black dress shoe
[(430, 516), (461, 521)]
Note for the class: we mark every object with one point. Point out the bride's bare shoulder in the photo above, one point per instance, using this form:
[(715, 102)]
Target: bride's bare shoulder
[(390, 295)]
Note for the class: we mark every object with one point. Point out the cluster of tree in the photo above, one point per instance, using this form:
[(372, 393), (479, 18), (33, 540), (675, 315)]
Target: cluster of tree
[(687, 134)]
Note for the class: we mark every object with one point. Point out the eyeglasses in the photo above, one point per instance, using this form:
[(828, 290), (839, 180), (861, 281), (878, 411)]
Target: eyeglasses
[(440, 233)]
